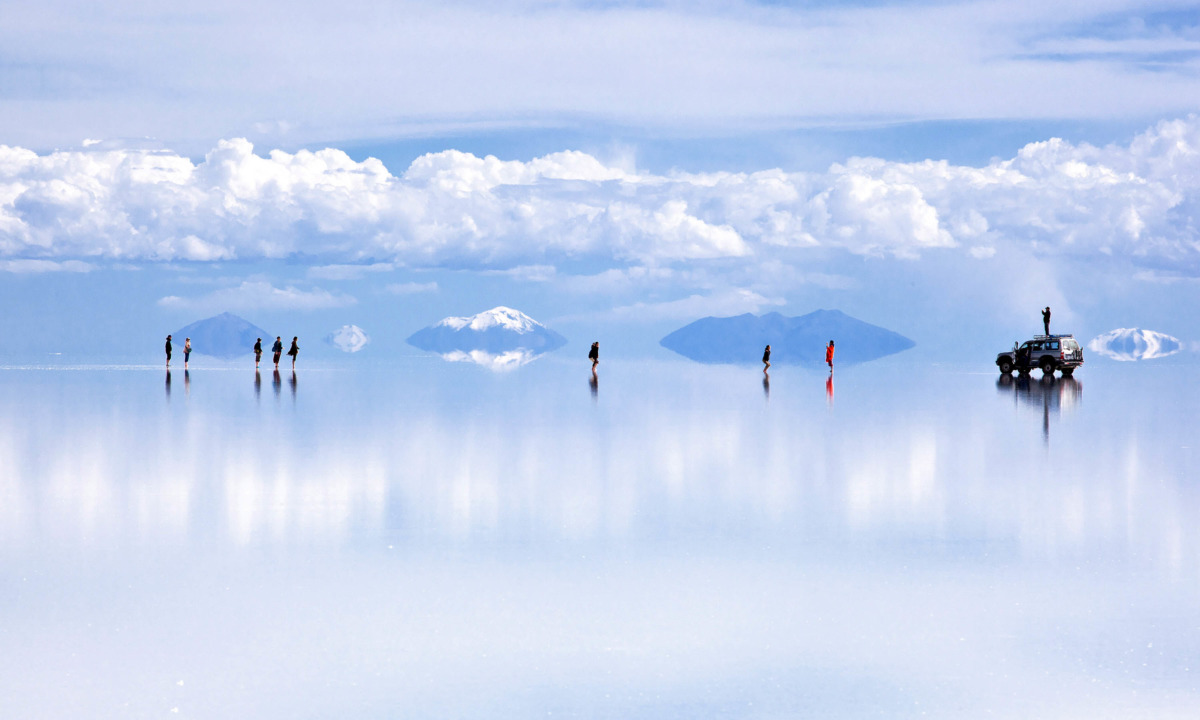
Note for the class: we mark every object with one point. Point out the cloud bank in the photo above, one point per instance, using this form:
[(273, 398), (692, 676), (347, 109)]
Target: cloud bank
[(1138, 203), (260, 295)]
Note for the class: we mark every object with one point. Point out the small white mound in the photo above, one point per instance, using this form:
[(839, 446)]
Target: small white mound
[(1132, 344), (349, 338)]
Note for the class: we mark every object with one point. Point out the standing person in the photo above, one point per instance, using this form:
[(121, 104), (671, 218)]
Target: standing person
[(766, 358), (829, 356), (277, 349), (294, 351), (1046, 319), (187, 352), (168, 351), (257, 352), (594, 356)]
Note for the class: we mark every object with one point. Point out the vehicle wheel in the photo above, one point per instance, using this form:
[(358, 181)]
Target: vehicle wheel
[(1047, 366), (1006, 366)]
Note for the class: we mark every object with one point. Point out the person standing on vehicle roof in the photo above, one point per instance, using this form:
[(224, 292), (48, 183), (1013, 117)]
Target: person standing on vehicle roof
[(1046, 319)]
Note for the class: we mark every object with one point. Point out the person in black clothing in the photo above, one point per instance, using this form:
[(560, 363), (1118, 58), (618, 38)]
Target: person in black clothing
[(294, 351), (1046, 319), (277, 349), (766, 358), (594, 356), (168, 351), (257, 352)]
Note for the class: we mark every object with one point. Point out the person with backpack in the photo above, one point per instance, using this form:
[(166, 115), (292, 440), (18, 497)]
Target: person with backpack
[(257, 352), (277, 349)]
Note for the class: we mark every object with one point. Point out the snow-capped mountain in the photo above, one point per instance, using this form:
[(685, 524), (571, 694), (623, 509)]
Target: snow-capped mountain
[(496, 331), (1130, 344), (795, 340)]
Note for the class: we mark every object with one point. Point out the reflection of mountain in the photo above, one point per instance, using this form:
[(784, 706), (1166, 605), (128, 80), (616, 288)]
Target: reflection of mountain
[(494, 361), (797, 340), (496, 332), (1129, 344), (225, 335)]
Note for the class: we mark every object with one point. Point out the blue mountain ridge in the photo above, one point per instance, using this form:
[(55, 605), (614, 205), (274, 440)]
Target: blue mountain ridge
[(224, 336), (793, 340)]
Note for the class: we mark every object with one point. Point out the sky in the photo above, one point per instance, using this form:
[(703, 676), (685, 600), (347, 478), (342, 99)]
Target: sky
[(616, 170)]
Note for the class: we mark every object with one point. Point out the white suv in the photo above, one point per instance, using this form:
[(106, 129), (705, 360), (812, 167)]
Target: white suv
[(1048, 352)]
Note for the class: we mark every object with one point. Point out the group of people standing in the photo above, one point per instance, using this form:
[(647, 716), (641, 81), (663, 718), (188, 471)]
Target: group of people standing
[(828, 357), (276, 350)]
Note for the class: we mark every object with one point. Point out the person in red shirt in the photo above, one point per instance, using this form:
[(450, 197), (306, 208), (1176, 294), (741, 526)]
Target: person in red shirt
[(829, 356)]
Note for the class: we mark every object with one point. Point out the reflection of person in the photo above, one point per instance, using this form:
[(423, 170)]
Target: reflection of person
[(766, 358), (277, 383), (829, 355), (767, 384), (257, 384), (257, 352), (829, 390), (168, 383), (292, 384), (187, 352), (594, 384), (187, 380), (168, 348), (277, 349), (594, 356), (1046, 319), (294, 351)]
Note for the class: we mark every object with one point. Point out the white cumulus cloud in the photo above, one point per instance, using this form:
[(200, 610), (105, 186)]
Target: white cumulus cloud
[(260, 295), (1137, 203)]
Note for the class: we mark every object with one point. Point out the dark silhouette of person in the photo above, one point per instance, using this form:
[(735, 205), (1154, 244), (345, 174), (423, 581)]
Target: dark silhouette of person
[(829, 355), (766, 358), (1046, 319), (277, 349), (294, 351), (257, 352), (187, 353), (168, 348), (594, 356)]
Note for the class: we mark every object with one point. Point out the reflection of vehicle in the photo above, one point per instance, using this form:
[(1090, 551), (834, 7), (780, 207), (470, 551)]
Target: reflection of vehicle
[(1050, 395), (1048, 352)]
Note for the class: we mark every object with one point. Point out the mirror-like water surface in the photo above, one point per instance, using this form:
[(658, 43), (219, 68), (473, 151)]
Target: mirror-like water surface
[(672, 540)]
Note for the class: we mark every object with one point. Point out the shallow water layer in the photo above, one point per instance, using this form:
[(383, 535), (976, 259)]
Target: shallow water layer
[(672, 540)]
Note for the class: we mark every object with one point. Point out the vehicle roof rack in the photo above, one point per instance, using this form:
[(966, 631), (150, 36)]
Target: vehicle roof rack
[(1053, 337)]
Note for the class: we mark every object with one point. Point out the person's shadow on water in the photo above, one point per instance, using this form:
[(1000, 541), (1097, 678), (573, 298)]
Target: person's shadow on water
[(168, 384), (277, 383), (292, 385), (594, 384), (766, 384)]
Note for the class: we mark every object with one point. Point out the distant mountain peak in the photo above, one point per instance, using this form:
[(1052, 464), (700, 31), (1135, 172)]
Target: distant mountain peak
[(493, 332), (499, 316), (225, 335), (795, 340)]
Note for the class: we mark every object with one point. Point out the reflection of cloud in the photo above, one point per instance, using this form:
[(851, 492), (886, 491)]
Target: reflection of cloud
[(348, 338), (1130, 344), (260, 295), (508, 360)]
